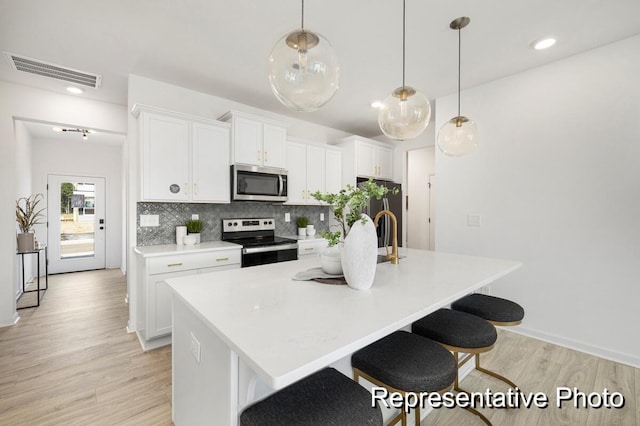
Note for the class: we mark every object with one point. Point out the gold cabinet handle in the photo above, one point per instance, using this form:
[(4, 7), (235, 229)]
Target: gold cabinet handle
[(266, 156), (174, 264), (186, 188), (259, 156), (308, 249), (195, 189), (222, 259)]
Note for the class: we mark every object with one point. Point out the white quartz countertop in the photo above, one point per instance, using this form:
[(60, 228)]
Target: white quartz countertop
[(285, 329), (169, 249)]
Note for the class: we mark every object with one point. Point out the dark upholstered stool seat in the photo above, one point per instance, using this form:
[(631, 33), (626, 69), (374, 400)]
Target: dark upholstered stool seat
[(455, 328), (407, 362), (324, 398), (491, 308)]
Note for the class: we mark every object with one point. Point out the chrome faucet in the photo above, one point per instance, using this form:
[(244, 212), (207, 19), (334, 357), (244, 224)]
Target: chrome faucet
[(393, 256)]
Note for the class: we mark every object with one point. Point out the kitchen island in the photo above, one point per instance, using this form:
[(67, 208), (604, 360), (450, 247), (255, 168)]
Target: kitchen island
[(239, 335)]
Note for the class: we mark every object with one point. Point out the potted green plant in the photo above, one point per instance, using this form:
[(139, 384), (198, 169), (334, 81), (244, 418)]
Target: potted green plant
[(302, 222), (194, 226), (28, 215), (357, 258)]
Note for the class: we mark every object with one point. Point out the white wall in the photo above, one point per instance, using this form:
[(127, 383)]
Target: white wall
[(556, 180), (21, 102), (24, 189), (81, 158)]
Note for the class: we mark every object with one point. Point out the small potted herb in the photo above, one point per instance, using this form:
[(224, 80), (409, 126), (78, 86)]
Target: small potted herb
[(302, 222), (194, 227)]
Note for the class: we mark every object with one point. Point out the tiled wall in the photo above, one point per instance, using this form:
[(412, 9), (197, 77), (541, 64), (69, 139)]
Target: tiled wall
[(174, 214)]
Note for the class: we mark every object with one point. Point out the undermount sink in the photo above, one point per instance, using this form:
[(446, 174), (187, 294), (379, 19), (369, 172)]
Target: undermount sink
[(383, 258)]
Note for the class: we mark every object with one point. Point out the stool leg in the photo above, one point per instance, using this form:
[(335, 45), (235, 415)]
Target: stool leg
[(457, 388), (493, 373)]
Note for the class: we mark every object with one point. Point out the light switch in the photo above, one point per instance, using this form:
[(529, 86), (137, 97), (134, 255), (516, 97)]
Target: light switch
[(321, 217), (195, 346), (473, 220), (149, 220), (287, 217)]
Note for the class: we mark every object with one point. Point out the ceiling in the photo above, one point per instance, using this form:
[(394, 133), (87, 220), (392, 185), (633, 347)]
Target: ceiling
[(221, 47)]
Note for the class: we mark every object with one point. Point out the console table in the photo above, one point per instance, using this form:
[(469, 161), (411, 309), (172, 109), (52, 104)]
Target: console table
[(41, 250)]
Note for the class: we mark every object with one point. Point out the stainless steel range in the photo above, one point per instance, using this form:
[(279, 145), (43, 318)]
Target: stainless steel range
[(259, 242)]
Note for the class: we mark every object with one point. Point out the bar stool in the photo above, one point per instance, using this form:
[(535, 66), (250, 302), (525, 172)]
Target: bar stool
[(404, 362), (458, 332), (497, 311), (327, 397)]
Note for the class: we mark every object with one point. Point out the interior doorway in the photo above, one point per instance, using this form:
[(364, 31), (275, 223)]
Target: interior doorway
[(421, 198), (76, 223)]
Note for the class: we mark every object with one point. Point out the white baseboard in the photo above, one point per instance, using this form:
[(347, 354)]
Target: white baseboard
[(158, 342), (622, 358), (13, 320)]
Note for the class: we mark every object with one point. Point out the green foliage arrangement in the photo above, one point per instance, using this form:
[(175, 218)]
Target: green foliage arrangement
[(348, 206), (194, 226), (302, 221), (27, 213)]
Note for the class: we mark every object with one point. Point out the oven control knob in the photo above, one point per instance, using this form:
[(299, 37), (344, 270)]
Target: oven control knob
[(235, 223), (266, 223), (230, 224)]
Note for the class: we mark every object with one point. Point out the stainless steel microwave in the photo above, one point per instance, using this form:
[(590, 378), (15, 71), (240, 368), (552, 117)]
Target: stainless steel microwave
[(255, 183)]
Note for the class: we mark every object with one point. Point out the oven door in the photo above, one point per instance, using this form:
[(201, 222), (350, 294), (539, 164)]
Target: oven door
[(254, 256), (253, 183)]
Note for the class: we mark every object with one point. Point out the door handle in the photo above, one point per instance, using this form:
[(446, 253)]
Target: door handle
[(102, 227)]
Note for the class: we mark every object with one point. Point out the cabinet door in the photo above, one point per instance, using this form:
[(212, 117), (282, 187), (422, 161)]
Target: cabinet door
[(333, 171), (384, 162), (247, 141), (297, 176), (366, 159), (315, 172), (274, 146), (159, 303), (210, 172), (165, 158)]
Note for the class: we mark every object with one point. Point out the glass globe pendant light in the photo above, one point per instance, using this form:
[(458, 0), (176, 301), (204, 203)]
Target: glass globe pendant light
[(458, 136), (303, 70), (406, 112)]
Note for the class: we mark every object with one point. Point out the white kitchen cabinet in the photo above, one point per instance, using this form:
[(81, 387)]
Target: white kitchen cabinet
[(154, 306), (312, 167), (184, 158), (256, 140), (367, 158)]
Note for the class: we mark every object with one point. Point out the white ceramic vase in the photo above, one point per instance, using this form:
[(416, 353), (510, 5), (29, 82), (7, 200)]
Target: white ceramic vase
[(360, 255), (331, 260)]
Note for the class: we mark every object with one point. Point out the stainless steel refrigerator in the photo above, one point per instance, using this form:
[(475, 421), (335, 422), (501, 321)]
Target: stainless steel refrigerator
[(390, 202)]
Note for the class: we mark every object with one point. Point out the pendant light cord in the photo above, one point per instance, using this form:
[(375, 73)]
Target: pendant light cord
[(302, 19), (404, 18), (459, 60)]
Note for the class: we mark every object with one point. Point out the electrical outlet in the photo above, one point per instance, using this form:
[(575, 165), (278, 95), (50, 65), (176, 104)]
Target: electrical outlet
[(195, 217), (287, 217), (149, 220), (321, 217), (474, 220), (195, 347)]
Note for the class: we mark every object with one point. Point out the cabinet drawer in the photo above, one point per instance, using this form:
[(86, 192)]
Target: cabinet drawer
[(184, 262), (311, 247)]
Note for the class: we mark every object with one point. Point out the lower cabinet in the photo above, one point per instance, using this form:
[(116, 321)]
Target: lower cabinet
[(155, 322)]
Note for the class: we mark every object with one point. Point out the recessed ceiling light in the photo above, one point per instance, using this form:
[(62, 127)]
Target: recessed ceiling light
[(74, 90), (376, 104), (544, 43)]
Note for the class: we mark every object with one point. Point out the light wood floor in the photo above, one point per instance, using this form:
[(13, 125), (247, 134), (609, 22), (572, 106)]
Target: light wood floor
[(71, 362)]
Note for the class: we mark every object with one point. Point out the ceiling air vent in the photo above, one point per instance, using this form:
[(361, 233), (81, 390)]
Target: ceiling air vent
[(34, 66)]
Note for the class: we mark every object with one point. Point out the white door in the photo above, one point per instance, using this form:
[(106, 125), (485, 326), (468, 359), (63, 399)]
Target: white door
[(77, 225), (432, 212)]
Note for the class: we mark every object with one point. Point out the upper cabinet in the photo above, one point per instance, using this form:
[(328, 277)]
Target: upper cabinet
[(184, 158), (257, 141), (365, 158), (312, 167)]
